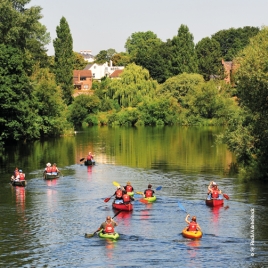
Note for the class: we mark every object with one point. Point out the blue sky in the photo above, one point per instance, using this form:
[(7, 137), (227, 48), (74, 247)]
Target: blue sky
[(102, 24)]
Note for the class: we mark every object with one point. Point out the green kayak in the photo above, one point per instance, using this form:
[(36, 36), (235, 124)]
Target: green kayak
[(150, 199), (110, 236)]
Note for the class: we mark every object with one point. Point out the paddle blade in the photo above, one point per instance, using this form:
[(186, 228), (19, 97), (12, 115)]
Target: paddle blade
[(82, 159), (181, 207), (139, 192), (116, 183), (89, 235), (226, 196), (158, 188), (142, 200), (107, 199)]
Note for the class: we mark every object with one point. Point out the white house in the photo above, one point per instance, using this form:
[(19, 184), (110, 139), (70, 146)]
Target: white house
[(101, 70), (87, 55)]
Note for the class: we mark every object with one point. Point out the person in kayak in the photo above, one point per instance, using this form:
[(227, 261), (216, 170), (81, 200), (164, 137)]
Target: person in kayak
[(193, 225), (54, 169), (108, 225), (214, 191), (129, 187), (149, 192), (118, 195), (127, 198), (90, 157), (48, 169)]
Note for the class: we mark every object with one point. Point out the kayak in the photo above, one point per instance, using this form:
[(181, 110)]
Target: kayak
[(89, 163), (213, 202), (51, 176), (19, 183), (191, 234), (109, 236), (130, 193), (150, 199), (122, 206)]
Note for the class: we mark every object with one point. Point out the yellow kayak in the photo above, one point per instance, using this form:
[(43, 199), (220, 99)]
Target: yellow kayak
[(191, 234)]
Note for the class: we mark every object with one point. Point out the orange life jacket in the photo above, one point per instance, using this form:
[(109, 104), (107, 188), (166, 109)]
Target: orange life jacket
[(215, 194), (126, 198), (109, 228), (54, 169), (119, 193), (129, 188), (48, 169), (192, 226), (148, 193)]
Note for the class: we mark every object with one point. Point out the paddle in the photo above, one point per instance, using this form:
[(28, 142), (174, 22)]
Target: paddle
[(91, 235), (226, 196), (116, 183), (82, 159), (182, 208), (108, 199)]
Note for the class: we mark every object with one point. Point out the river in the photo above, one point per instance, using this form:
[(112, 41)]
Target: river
[(43, 224)]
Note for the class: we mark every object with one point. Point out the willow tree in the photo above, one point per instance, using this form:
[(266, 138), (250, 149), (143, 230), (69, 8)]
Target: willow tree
[(134, 86), (64, 60), (183, 52)]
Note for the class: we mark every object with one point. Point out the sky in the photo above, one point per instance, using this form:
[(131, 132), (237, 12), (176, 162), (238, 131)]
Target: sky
[(103, 24)]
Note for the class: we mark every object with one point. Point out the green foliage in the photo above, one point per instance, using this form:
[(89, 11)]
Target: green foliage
[(51, 109), (79, 62), (251, 144), (209, 59), (179, 86), (82, 106), (17, 117), (105, 56), (234, 40), (64, 60), (121, 59), (183, 52)]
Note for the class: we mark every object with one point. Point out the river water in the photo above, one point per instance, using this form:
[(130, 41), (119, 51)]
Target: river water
[(43, 224)]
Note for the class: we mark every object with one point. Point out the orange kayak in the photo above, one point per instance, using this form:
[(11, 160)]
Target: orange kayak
[(191, 234)]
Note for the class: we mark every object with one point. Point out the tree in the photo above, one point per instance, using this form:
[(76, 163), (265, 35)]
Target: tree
[(121, 59), (209, 58), (234, 40), (64, 61), (17, 104), (105, 56), (137, 40), (79, 62), (248, 136), (183, 55)]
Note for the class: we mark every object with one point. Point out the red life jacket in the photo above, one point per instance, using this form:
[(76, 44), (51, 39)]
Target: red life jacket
[(109, 228), (54, 169), (215, 194), (48, 169), (192, 226), (119, 193), (129, 188), (148, 193), (22, 177), (126, 198)]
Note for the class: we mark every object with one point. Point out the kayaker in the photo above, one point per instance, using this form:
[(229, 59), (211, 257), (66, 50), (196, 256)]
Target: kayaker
[(129, 187), (193, 225), (48, 169), (214, 191), (54, 169), (108, 225), (20, 176), (118, 193), (149, 192), (127, 198), (90, 157)]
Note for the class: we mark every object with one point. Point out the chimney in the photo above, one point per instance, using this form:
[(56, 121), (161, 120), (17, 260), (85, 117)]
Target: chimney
[(111, 63)]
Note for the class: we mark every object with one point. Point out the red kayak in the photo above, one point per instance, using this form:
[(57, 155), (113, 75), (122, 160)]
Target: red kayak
[(122, 206), (213, 202)]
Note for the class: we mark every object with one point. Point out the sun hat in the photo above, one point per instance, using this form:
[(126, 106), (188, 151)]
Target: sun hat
[(214, 183), (48, 165)]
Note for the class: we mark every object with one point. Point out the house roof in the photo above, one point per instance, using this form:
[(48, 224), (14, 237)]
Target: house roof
[(116, 73), (86, 73)]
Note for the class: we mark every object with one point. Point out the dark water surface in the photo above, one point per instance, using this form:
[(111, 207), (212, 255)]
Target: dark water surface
[(43, 225)]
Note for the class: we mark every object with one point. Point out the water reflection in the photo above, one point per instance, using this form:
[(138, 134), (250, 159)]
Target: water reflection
[(20, 198)]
